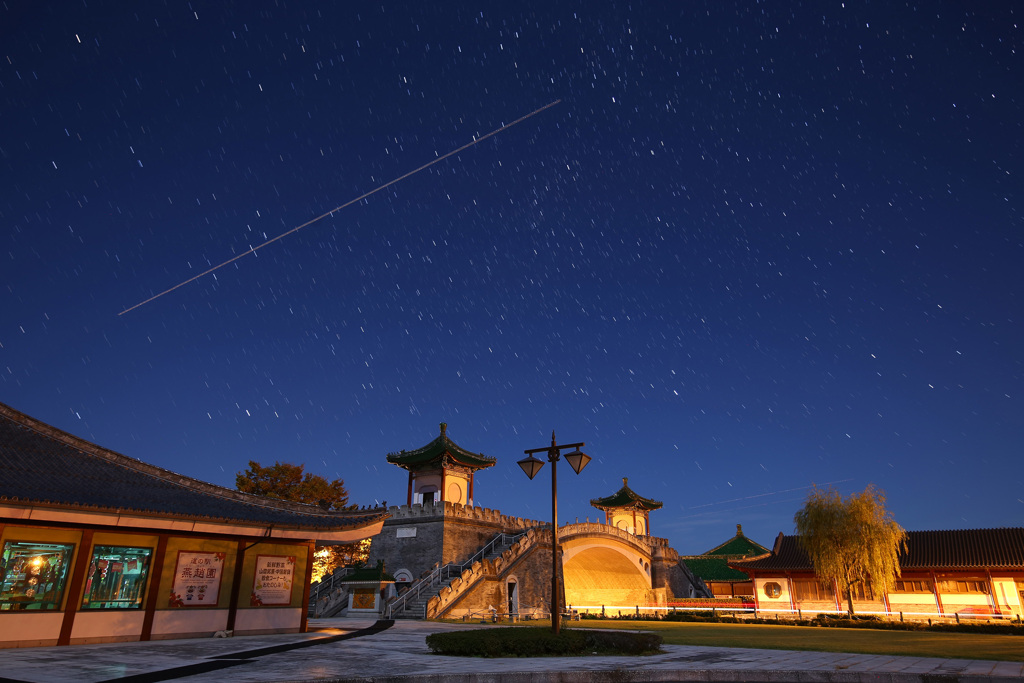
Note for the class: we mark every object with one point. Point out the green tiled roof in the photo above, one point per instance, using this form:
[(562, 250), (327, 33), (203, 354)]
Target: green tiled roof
[(738, 546), (714, 569), (714, 564), (369, 575), (440, 449), (625, 498)]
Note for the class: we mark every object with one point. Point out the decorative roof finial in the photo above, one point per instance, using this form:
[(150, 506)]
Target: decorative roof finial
[(739, 529), (444, 428), (624, 481)]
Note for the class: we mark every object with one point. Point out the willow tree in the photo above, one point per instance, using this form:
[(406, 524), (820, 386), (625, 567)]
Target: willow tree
[(851, 541)]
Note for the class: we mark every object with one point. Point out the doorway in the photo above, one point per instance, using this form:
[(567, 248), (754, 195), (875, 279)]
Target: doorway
[(513, 599)]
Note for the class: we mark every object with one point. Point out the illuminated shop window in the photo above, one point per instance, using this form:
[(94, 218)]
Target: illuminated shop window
[(117, 578), (33, 575)]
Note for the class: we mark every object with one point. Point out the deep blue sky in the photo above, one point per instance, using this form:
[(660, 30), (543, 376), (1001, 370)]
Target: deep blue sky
[(757, 246)]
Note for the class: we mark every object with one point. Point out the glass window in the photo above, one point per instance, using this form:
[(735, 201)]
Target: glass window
[(117, 578), (33, 575), (772, 589)]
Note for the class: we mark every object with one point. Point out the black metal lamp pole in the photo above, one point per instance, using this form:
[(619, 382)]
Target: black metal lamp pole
[(531, 465)]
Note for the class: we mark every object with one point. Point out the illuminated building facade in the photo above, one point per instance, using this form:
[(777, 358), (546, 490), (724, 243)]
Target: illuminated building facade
[(99, 547)]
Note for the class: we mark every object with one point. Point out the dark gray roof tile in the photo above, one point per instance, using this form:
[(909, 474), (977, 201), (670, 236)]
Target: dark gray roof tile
[(46, 466)]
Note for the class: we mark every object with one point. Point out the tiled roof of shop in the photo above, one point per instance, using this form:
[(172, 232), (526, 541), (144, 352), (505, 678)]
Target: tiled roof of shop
[(950, 549), (625, 498), (44, 466), (441, 448)]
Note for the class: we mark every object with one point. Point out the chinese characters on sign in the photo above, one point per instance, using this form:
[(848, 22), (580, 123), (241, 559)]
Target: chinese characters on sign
[(272, 584), (197, 579)]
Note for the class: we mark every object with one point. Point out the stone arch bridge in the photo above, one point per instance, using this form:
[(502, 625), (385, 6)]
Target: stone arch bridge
[(501, 565)]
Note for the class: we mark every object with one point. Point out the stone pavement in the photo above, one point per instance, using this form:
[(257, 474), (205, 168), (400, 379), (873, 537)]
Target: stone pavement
[(358, 651)]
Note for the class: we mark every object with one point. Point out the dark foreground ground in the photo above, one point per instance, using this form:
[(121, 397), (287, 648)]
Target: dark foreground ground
[(359, 650)]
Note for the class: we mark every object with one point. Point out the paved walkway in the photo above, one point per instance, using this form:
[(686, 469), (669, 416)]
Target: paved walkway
[(357, 650)]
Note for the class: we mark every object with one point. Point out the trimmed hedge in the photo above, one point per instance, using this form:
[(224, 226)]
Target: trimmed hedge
[(843, 621), (836, 621), (520, 641)]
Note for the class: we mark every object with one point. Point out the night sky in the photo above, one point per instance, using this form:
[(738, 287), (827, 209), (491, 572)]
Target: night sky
[(756, 246)]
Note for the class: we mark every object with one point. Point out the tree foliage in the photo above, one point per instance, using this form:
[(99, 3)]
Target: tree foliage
[(330, 557), (851, 540), (286, 481)]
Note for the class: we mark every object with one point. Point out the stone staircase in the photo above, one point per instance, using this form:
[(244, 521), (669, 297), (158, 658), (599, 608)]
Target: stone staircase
[(413, 603), (494, 566), (329, 597)]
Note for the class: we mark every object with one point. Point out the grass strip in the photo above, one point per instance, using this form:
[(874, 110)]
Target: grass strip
[(863, 641)]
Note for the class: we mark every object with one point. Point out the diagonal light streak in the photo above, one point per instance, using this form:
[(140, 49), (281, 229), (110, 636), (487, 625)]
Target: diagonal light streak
[(375, 190)]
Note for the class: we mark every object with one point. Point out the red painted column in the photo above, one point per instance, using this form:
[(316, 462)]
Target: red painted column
[(938, 598), (74, 594), (306, 581), (156, 572), (236, 585), (757, 601)]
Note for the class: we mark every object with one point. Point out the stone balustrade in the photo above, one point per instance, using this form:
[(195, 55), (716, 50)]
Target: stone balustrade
[(457, 510), (438, 604)]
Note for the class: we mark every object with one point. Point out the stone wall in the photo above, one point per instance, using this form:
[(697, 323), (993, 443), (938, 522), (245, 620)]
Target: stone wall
[(412, 544), (482, 590), (419, 537)]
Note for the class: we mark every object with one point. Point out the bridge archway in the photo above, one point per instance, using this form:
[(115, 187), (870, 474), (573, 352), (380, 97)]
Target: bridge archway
[(605, 567)]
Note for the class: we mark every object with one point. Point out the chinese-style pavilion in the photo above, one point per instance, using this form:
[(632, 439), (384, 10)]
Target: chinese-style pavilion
[(713, 567), (627, 510), (441, 470)]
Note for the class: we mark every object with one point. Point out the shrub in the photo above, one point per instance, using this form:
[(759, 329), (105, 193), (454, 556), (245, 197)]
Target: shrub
[(701, 617), (540, 642)]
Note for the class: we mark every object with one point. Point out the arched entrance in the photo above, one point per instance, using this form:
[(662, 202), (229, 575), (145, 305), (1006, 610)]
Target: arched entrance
[(512, 596), (603, 574)]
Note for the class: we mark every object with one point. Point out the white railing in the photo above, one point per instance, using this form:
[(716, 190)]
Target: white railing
[(327, 584), (448, 571), (326, 587), (500, 539), (438, 575), (789, 613)]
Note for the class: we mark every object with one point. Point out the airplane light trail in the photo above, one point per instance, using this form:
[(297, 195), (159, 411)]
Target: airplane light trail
[(252, 250)]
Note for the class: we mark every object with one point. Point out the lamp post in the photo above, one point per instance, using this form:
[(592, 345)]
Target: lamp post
[(531, 465)]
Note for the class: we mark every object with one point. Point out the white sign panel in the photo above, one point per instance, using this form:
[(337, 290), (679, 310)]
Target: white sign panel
[(197, 579), (272, 584)]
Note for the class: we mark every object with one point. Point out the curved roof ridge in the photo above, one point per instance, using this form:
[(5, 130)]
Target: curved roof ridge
[(626, 498), (951, 548), (69, 456), (436, 450), (738, 546)]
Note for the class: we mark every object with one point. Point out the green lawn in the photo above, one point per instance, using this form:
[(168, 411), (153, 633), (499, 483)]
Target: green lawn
[(866, 641)]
